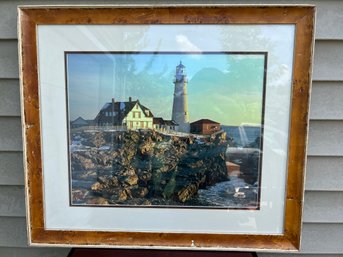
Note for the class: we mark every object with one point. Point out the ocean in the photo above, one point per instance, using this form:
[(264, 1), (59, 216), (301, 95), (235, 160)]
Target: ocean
[(242, 135)]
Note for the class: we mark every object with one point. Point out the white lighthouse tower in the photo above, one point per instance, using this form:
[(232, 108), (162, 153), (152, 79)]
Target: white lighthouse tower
[(180, 105)]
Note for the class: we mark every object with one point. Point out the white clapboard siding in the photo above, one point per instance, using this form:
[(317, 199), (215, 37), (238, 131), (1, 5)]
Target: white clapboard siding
[(322, 238), (11, 168), (8, 59), (12, 201), (324, 173), (13, 232), (325, 138), (328, 61), (323, 207), (326, 101), (33, 252), (329, 13), (9, 97), (10, 134)]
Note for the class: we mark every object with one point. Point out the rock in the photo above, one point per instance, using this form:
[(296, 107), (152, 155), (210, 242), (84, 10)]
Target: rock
[(188, 183), (105, 182), (79, 195), (131, 137), (102, 179), (186, 193), (138, 192), (98, 140), (114, 182), (81, 163), (98, 201), (146, 165), (97, 186), (119, 196), (147, 147), (144, 177), (146, 202), (104, 159), (158, 138), (169, 189), (128, 171), (88, 175), (218, 164), (130, 180)]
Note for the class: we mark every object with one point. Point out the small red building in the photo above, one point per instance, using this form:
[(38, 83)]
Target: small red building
[(205, 127)]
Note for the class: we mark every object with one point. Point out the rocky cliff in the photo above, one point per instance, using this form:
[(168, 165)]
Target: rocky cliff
[(150, 168)]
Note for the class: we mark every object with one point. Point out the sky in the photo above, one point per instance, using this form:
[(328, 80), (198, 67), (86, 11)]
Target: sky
[(224, 87)]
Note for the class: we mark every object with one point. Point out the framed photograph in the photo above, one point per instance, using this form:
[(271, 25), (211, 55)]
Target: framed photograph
[(172, 127)]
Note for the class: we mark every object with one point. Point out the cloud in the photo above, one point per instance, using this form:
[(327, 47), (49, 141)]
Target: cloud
[(185, 44)]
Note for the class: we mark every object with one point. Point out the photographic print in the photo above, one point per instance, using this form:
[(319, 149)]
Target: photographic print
[(165, 129), (141, 123)]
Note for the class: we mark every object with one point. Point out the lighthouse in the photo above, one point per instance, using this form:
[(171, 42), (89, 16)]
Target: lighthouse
[(180, 105)]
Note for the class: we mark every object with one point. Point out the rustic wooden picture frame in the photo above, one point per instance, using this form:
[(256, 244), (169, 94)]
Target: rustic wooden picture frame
[(301, 16)]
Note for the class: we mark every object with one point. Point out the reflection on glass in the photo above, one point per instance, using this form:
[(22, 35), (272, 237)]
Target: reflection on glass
[(166, 129)]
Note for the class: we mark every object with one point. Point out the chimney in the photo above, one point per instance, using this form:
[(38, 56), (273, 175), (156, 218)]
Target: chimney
[(113, 101), (130, 99)]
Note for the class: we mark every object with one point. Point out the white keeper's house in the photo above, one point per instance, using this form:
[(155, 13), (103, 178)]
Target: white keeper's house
[(131, 115)]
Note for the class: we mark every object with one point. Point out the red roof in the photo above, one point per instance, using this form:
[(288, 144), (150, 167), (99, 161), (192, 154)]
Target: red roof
[(205, 121)]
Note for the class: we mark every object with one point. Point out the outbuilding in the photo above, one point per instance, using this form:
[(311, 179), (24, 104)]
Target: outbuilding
[(205, 127)]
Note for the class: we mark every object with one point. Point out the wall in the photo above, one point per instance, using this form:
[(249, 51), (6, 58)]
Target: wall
[(323, 212)]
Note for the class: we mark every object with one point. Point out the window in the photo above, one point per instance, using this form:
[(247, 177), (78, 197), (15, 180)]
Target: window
[(136, 114)]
